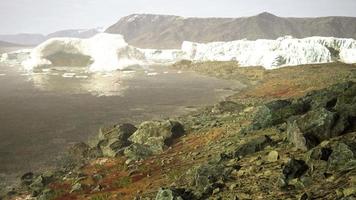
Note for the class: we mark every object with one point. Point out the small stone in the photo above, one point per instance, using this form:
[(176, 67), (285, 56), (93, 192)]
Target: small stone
[(216, 190), (128, 161), (272, 156), (76, 187), (233, 186), (349, 191), (98, 188), (244, 196)]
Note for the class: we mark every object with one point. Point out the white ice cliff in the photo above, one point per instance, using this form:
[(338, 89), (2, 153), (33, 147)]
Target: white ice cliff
[(107, 52), (285, 51)]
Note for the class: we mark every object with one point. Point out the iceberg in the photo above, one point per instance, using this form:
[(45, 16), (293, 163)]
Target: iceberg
[(108, 52)]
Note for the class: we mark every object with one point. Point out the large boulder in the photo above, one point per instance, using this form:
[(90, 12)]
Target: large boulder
[(310, 129), (327, 98), (336, 155), (157, 134), (113, 140), (277, 112), (340, 156)]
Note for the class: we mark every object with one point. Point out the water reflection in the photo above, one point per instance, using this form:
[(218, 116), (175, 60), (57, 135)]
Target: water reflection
[(79, 81)]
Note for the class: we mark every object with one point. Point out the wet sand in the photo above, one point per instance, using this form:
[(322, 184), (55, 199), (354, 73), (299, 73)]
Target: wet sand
[(42, 114)]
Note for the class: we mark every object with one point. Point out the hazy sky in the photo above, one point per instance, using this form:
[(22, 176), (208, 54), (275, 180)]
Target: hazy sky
[(45, 16)]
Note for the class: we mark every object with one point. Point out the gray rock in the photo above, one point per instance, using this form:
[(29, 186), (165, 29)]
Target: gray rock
[(112, 140), (175, 194), (312, 128), (340, 156), (208, 177), (27, 178), (253, 146), (76, 187), (294, 169), (46, 194), (157, 134), (277, 112), (137, 152)]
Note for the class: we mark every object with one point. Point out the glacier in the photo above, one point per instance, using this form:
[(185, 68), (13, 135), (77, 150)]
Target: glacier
[(285, 51), (108, 52)]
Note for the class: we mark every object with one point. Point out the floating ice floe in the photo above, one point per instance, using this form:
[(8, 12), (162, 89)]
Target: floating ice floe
[(152, 74), (108, 52), (81, 76), (68, 75)]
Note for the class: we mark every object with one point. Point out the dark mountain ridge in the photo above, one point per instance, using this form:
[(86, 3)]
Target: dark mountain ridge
[(168, 31)]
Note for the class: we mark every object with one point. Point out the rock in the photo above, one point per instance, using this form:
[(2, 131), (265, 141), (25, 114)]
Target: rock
[(253, 146), (95, 152), (294, 169), (112, 140), (272, 156), (79, 150), (232, 186), (312, 128), (208, 177), (37, 185), (349, 191), (46, 194), (76, 187), (27, 178), (157, 134), (327, 98), (340, 156), (97, 177), (174, 194), (277, 112), (137, 152), (227, 106)]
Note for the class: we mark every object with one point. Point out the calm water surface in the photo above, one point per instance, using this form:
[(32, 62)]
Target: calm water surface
[(44, 113)]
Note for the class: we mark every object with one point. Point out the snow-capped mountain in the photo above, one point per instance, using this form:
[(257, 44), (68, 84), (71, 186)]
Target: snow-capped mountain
[(165, 31)]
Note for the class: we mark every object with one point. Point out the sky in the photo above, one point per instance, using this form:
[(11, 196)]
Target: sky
[(46, 16)]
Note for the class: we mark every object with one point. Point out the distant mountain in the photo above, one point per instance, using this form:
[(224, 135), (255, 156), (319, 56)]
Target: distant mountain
[(23, 39), (75, 33), (7, 44), (35, 39), (166, 31)]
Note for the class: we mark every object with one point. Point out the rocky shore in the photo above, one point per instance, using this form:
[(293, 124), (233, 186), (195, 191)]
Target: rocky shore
[(290, 135)]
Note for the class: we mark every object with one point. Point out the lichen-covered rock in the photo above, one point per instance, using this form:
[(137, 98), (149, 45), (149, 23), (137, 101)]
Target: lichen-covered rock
[(340, 156), (310, 129), (253, 146), (174, 194), (277, 112), (294, 169), (207, 177), (157, 134), (112, 140), (137, 152)]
